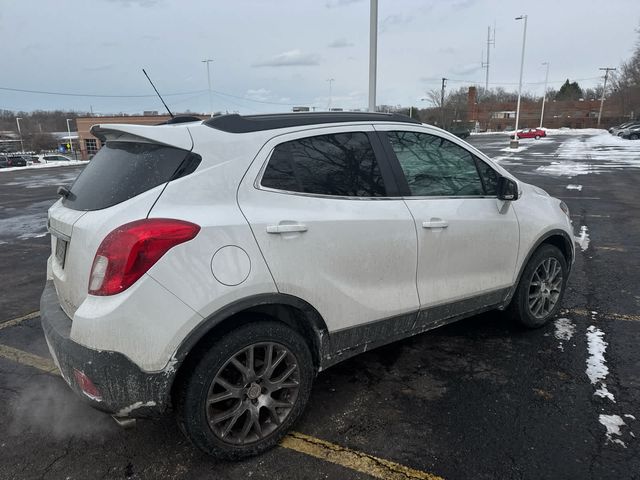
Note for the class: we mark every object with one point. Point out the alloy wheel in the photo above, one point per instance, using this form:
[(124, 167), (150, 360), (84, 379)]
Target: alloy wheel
[(253, 393), (545, 287)]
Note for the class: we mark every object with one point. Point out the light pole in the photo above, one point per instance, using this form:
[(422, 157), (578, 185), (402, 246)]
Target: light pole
[(373, 53), (208, 61), (544, 94), (70, 140), (444, 84), (514, 142), (20, 133), (604, 88), (330, 80)]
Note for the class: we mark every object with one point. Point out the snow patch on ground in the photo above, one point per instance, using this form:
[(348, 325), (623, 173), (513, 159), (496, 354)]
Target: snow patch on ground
[(521, 148), (597, 369), (583, 239), (597, 151), (574, 187), (613, 423), (565, 329), (32, 223), (45, 165)]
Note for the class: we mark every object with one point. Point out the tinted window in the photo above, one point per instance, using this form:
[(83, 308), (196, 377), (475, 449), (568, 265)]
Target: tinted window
[(122, 170), (434, 166), (341, 164)]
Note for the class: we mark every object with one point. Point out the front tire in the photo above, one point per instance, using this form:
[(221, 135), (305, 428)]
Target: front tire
[(537, 137), (246, 391), (542, 285)]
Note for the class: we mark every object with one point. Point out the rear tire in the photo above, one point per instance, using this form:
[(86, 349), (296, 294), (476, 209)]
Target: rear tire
[(537, 137), (542, 285), (246, 391)]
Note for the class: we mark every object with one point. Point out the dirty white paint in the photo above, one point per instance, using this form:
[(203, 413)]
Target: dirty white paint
[(583, 239), (613, 423), (565, 329), (126, 411), (574, 187), (597, 369)]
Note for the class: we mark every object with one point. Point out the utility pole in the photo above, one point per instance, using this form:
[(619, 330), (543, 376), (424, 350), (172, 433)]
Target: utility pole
[(373, 53), (444, 84), (330, 80), (514, 142), (490, 41), (208, 61), (70, 141), (544, 95), (604, 89), (20, 133)]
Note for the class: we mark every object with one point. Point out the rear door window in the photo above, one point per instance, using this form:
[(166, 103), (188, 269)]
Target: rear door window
[(123, 170), (341, 164)]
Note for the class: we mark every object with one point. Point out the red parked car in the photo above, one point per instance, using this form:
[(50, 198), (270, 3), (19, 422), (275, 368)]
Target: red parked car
[(531, 133)]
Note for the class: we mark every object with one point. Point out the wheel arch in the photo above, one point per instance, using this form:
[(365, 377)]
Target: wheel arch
[(288, 309), (558, 238)]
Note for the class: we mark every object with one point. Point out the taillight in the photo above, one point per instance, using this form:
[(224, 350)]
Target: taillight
[(132, 249)]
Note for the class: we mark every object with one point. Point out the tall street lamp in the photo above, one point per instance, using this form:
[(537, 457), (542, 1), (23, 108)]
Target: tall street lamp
[(514, 142), (544, 94), (330, 80), (70, 140), (20, 133), (373, 53), (208, 61)]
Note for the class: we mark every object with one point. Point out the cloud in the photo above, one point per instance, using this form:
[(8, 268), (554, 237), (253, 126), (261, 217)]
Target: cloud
[(447, 50), (340, 43), (98, 68), (261, 94), (340, 3), (392, 21), (290, 59), (139, 3), (466, 69)]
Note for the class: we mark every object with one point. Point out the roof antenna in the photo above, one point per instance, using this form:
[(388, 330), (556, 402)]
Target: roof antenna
[(159, 96)]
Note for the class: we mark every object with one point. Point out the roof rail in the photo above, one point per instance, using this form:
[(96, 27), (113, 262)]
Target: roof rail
[(235, 123)]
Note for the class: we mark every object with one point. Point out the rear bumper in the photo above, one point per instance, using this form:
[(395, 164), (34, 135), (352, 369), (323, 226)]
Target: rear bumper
[(124, 389)]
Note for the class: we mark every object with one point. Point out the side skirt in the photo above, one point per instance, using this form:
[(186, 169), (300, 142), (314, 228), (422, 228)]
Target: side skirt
[(348, 342)]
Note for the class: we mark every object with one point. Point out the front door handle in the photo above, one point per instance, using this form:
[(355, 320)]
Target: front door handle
[(287, 228), (435, 223)]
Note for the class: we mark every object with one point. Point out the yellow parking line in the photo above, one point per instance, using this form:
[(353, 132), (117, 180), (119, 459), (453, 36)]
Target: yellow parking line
[(16, 321), (299, 442), (616, 316), (29, 359), (352, 459)]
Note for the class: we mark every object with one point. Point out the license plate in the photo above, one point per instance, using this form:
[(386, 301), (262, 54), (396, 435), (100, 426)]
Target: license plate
[(61, 251)]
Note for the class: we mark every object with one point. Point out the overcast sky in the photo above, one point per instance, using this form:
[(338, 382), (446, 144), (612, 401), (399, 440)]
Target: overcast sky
[(271, 54)]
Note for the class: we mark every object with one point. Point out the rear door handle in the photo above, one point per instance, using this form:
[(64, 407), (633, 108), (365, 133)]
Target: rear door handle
[(287, 228), (435, 223)]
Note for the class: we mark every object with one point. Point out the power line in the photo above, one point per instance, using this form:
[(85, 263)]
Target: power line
[(68, 94)]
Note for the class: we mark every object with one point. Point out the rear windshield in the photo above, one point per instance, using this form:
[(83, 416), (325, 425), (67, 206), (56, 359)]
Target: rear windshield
[(122, 170)]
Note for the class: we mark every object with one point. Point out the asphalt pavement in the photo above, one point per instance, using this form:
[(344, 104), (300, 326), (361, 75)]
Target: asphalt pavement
[(481, 399)]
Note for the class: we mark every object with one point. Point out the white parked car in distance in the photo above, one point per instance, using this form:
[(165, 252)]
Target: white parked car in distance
[(50, 158), (214, 267)]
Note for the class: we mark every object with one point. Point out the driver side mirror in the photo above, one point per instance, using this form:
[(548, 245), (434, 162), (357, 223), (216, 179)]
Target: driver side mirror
[(507, 189)]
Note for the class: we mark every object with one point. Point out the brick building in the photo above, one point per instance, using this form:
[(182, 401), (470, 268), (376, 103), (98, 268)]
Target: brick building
[(557, 114)]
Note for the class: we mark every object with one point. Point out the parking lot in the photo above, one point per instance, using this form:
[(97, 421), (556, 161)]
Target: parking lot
[(481, 399)]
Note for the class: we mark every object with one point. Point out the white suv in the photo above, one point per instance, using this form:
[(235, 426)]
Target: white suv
[(215, 267)]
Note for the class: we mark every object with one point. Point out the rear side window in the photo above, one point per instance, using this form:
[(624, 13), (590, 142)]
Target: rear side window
[(122, 170), (342, 164)]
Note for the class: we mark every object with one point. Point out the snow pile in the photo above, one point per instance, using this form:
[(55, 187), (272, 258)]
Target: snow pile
[(565, 329), (583, 238), (613, 423), (574, 187), (597, 369)]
